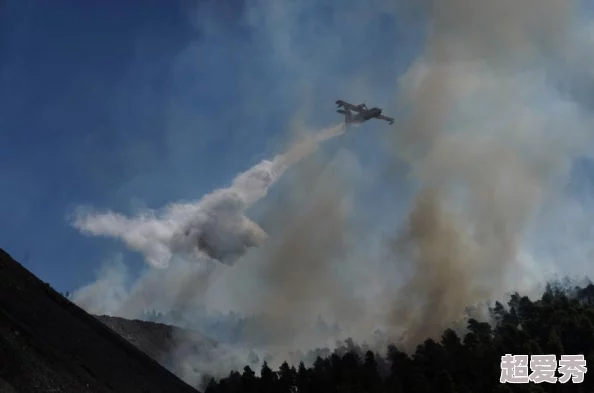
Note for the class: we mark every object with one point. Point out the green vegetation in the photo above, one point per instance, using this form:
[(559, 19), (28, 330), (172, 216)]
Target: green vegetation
[(561, 322)]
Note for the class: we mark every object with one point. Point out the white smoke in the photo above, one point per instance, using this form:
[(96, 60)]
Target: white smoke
[(212, 227)]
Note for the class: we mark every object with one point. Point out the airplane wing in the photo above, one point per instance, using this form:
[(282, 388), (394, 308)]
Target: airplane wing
[(346, 105), (386, 118)]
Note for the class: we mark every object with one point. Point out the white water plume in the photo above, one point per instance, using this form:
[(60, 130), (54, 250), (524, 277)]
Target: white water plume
[(212, 227)]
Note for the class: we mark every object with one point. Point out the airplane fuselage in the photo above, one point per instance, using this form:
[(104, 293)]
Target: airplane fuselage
[(363, 115), (371, 113)]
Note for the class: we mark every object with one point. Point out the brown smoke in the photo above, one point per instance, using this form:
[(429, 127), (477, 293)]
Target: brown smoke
[(300, 272), (478, 150)]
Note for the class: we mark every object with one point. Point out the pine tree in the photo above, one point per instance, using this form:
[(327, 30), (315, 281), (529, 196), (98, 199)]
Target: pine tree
[(249, 382), (286, 379), (268, 380), (444, 382), (554, 344), (370, 375), (302, 379)]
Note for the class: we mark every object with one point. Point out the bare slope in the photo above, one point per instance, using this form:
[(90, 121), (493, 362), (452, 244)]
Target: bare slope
[(158, 340), (48, 344)]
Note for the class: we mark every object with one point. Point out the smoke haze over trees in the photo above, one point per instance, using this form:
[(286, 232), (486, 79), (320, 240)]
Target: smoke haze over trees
[(560, 322)]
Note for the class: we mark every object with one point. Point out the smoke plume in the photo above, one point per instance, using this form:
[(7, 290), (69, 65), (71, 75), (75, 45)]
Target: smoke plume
[(302, 253), (214, 227), (486, 137), (299, 267)]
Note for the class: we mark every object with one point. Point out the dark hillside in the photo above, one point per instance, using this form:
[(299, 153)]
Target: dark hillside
[(48, 344), (160, 341)]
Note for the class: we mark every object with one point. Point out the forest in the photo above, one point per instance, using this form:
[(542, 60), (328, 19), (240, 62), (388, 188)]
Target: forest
[(560, 322)]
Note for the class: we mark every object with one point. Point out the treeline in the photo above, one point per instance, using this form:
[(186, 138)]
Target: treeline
[(561, 322)]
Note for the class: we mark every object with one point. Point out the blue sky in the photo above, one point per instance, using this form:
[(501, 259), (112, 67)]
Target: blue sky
[(148, 102)]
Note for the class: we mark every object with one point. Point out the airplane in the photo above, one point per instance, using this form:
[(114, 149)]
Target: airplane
[(362, 113)]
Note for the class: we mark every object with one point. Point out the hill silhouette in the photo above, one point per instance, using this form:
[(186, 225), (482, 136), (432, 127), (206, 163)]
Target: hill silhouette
[(167, 344), (48, 344)]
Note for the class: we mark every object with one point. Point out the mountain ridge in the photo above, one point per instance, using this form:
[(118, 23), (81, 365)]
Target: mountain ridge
[(49, 344)]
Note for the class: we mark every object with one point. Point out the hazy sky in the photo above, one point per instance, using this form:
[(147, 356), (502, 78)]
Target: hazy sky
[(140, 103)]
